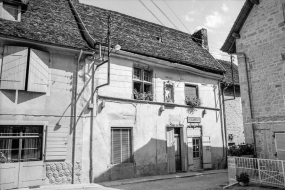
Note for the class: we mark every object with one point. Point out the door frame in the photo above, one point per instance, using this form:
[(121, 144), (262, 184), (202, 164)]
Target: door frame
[(44, 124), (200, 152)]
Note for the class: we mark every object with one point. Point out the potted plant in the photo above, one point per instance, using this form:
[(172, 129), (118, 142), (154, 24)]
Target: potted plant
[(193, 102), (143, 95), (243, 179)]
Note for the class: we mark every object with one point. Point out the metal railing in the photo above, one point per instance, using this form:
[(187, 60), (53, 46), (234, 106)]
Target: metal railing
[(264, 171)]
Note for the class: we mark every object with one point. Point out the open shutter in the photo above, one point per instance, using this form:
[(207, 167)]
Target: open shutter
[(171, 150), (280, 145), (207, 154), (190, 153), (38, 71), (13, 71), (56, 143)]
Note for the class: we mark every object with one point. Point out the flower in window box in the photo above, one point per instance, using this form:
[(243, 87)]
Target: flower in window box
[(193, 102), (143, 95)]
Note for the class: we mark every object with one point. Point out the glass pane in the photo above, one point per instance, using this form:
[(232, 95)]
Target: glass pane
[(32, 131), (9, 150), (31, 150), (147, 88), (11, 9), (137, 74), (146, 76), (10, 131)]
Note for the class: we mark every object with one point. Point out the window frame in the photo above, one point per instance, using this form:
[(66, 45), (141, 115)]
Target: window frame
[(42, 124), (191, 85), (131, 161), (142, 81)]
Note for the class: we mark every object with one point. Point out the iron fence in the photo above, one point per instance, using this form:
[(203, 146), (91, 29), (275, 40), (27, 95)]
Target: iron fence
[(264, 171)]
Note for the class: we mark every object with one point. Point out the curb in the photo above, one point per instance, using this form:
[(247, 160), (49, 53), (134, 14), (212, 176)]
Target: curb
[(160, 179)]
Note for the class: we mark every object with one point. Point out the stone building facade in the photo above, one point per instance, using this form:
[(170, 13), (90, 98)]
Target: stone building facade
[(258, 39)]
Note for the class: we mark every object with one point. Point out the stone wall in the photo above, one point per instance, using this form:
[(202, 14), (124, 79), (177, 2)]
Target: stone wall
[(261, 46)]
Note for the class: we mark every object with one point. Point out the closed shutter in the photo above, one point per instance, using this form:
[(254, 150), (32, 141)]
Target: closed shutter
[(191, 91), (280, 145), (13, 71), (121, 146), (38, 71), (56, 143), (207, 153)]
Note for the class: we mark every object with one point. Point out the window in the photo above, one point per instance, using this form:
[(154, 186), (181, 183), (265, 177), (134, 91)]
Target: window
[(191, 91), (121, 149), (10, 11), (142, 80), (21, 143), (24, 69)]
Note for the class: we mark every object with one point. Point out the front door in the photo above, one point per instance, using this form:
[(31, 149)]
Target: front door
[(21, 156), (197, 153), (177, 146)]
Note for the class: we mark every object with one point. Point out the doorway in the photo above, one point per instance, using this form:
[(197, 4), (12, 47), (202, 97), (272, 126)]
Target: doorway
[(197, 158), (177, 146), (21, 156)]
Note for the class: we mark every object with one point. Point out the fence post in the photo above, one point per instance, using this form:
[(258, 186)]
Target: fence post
[(259, 173), (283, 173)]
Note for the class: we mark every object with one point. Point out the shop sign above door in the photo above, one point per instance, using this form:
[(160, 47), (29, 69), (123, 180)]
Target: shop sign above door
[(193, 119)]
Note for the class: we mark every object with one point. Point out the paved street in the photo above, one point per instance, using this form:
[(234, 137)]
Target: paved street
[(206, 182)]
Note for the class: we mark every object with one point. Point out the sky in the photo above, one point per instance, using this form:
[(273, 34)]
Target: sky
[(217, 16)]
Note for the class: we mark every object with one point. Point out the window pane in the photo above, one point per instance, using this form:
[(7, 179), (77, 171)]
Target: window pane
[(191, 92), (147, 88), (31, 150), (137, 74), (146, 76), (11, 10)]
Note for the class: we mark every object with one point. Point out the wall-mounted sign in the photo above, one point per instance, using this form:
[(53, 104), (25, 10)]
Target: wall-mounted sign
[(193, 119)]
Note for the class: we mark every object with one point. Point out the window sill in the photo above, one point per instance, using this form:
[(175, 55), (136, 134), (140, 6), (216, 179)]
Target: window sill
[(108, 98)]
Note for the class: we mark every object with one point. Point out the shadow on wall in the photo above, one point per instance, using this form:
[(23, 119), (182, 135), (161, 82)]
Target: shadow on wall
[(149, 160), (152, 159)]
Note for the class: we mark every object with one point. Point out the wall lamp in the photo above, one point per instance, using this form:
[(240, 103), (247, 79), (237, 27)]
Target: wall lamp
[(162, 108)]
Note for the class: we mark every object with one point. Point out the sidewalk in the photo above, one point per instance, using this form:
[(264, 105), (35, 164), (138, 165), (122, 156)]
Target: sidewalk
[(107, 185)]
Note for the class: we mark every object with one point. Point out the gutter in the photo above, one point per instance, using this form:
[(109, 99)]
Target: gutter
[(249, 98)]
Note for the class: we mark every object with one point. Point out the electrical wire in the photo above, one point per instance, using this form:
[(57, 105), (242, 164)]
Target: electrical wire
[(150, 12), (176, 16), (163, 14)]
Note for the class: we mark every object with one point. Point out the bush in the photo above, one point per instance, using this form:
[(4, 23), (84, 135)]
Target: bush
[(242, 149), (243, 177)]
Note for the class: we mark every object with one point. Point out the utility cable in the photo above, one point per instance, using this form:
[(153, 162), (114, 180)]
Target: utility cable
[(151, 12), (177, 16), (163, 14)]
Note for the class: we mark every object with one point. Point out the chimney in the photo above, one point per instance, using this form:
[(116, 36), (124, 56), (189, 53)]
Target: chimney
[(201, 38)]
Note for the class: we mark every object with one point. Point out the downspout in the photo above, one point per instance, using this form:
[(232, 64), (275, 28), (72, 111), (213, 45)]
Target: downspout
[(75, 120), (250, 100), (96, 90)]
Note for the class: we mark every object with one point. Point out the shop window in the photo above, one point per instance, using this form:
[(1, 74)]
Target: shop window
[(21, 143), (24, 69), (121, 145), (10, 11), (142, 84)]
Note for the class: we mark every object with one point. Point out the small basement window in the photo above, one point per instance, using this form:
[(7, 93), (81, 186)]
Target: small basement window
[(10, 11), (142, 84)]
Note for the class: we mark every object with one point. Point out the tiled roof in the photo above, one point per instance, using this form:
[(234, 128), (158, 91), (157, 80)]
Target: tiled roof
[(48, 21), (228, 75), (146, 38)]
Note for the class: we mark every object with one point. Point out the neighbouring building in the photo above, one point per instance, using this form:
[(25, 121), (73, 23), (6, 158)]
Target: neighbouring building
[(89, 95), (258, 39), (232, 105)]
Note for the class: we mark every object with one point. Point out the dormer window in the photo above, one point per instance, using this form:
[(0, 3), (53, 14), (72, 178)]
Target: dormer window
[(10, 11)]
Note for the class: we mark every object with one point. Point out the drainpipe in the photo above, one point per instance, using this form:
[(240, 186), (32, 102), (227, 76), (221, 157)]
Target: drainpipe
[(96, 90), (75, 120), (250, 100), (222, 124)]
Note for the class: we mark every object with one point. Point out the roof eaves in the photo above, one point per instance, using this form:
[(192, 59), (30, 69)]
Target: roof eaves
[(228, 45)]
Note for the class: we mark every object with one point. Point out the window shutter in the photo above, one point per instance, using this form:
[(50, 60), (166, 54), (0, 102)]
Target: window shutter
[(13, 72), (190, 153), (280, 145), (207, 153), (56, 143), (121, 146), (38, 71)]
